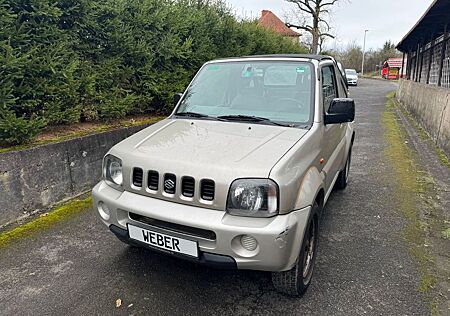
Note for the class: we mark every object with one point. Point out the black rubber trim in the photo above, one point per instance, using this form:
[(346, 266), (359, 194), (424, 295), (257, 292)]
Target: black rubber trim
[(205, 258), (196, 232)]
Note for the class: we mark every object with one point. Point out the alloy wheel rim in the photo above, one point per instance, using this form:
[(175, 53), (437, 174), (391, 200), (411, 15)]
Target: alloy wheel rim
[(309, 252), (347, 167)]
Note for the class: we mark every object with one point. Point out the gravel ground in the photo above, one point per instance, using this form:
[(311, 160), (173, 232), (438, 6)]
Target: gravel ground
[(363, 266)]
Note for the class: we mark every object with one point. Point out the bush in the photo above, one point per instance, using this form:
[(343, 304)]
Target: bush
[(18, 130), (71, 60)]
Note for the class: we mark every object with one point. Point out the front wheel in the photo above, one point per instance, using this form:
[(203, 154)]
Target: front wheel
[(295, 282)]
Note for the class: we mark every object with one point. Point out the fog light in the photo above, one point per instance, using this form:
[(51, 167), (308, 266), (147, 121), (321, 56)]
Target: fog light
[(248, 242), (103, 210)]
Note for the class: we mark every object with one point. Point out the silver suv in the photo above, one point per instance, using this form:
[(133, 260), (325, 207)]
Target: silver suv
[(238, 175)]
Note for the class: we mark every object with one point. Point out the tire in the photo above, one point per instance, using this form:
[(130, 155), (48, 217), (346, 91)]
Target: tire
[(296, 281), (342, 180)]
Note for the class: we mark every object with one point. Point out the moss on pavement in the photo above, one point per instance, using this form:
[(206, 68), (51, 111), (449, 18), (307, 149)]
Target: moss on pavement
[(44, 221), (413, 192)]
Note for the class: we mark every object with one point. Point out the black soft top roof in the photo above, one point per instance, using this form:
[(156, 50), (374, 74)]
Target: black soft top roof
[(305, 56)]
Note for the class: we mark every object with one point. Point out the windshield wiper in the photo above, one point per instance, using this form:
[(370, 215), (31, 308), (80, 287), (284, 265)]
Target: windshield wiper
[(192, 114), (251, 118)]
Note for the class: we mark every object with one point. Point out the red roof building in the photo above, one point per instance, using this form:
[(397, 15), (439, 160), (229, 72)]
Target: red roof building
[(270, 21), (392, 68)]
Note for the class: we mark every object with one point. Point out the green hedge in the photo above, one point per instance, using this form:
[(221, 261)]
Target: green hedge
[(81, 60)]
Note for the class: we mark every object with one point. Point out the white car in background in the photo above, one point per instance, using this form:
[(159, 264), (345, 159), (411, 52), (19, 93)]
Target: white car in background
[(352, 77)]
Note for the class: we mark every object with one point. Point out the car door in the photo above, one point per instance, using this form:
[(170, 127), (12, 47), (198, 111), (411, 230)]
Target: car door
[(332, 132)]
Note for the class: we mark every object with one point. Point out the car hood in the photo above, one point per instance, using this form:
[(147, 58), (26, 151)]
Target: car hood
[(352, 77), (206, 148)]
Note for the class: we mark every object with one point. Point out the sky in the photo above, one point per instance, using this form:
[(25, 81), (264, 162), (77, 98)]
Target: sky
[(385, 19)]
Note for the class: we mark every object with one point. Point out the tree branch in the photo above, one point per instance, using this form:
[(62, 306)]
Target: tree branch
[(326, 35), (326, 23), (301, 4), (327, 3), (305, 27), (318, 13)]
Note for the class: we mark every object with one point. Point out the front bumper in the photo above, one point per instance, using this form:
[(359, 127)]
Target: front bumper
[(278, 238), (208, 259)]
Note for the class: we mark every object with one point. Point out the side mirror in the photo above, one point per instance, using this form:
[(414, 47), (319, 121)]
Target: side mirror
[(177, 97), (340, 111)]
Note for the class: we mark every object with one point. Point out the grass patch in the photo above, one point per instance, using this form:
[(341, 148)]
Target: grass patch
[(410, 185), (445, 229), (446, 233), (442, 157), (60, 213), (63, 133)]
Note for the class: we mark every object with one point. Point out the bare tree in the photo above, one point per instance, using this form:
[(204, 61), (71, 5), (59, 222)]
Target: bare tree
[(317, 12)]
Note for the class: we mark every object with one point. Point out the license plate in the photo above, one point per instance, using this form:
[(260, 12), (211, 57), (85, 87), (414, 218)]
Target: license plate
[(163, 241)]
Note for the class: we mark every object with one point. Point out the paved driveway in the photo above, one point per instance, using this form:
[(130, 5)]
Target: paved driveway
[(78, 267)]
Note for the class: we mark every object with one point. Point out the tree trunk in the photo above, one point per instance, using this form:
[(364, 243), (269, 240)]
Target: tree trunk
[(315, 44), (315, 36)]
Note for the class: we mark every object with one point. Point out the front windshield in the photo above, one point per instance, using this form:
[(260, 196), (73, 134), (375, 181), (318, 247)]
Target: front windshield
[(350, 72), (276, 90)]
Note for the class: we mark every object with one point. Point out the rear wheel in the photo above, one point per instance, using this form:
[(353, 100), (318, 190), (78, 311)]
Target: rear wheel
[(295, 282), (342, 180)]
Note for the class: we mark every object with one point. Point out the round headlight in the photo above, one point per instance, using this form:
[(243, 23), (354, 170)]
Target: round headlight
[(115, 171), (247, 197), (253, 197), (112, 171)]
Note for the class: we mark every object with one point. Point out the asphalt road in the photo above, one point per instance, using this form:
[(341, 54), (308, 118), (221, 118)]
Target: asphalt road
[(363, 266)]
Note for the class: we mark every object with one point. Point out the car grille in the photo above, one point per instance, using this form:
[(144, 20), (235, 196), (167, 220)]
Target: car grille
[(196, 232), (167, 183), (138, 175), (207, 189), (188, 186), (170, 183), (153, 180)]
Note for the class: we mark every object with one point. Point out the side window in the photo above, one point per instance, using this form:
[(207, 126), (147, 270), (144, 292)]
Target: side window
[(344, 88), (329, 86)]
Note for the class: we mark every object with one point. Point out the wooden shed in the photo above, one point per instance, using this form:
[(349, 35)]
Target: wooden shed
[(393, 68)]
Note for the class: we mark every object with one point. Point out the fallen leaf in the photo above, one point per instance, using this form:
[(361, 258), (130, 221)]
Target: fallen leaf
[(118, 302)]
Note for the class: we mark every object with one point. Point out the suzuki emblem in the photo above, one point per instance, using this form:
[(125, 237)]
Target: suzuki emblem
[(169, 184)]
